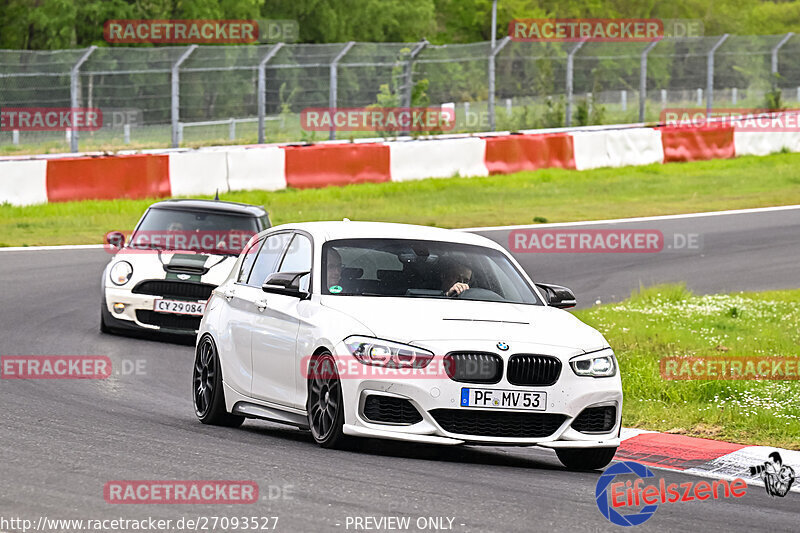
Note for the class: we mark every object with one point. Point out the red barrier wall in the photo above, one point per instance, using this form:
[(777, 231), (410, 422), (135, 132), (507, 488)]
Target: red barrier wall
[(514, 153), (697, 144), (336, 164), (106, 178)]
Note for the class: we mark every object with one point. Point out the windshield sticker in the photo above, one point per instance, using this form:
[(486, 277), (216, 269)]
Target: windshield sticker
[(335, 289)]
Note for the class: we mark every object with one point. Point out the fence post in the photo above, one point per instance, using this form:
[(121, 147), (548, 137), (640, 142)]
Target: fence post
[(774, 70), (176, 139), (492, 55), (570, 56), (262, 90), (710, 73), (643, 79), (75, 97), (334, 84), (406, 103)]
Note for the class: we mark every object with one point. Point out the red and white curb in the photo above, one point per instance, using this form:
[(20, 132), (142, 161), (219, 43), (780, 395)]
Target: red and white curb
[(701, 457)]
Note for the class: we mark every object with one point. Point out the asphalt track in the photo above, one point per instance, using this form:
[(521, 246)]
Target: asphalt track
[(62, 440)]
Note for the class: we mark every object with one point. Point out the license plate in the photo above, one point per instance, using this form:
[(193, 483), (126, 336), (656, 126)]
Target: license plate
[(179, 307), (504, 399)]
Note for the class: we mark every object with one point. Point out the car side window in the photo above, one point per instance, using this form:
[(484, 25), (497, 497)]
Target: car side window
[(298, 258), (247, 262), (267, 259)]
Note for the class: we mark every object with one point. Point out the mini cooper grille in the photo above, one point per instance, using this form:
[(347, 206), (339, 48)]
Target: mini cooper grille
[(389, 410), (163, 320), (528, 369), (175, 289), (596, 419), (498, 424), (473, 367)]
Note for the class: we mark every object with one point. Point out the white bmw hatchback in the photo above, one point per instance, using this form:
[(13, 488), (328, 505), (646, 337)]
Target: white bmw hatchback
[(404, 332)]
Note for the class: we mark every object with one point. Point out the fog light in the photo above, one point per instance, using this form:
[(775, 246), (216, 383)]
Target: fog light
[(119, 308)]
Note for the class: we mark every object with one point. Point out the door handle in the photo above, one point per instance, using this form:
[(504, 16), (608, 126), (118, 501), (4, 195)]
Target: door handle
[(229, 294), (261, 305)]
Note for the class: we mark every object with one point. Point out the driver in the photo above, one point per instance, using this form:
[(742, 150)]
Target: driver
[(455, 277)]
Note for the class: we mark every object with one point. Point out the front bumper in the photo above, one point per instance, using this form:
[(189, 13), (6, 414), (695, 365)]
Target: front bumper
[(566, 399), (138, 313)]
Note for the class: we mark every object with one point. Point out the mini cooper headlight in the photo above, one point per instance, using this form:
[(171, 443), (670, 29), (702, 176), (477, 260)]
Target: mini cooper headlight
[(600, 364), (378, 352), (120, 273)]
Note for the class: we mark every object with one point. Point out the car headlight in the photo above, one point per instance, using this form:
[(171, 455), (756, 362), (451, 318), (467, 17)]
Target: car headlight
[(378, 352), (120, 273), (600, 364)]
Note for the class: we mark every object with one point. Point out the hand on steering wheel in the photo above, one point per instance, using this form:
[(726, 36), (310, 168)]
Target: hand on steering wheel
[(457, 289)]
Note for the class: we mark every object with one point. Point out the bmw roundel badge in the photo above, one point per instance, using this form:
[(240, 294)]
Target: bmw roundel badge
[(502, 346)]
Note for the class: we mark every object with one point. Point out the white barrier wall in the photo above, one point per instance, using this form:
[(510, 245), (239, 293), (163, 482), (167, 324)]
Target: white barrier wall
[(23, 182), (617, 148), (198, 173), (765, 142), (261, 168), (442, 158), (234, 168)]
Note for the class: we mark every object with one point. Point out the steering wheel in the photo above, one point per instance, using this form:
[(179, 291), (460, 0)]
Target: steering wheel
[(478, 293)]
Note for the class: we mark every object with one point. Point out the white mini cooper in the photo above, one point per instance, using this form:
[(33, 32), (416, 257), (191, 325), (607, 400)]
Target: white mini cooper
[(404, 332), (180, 250)]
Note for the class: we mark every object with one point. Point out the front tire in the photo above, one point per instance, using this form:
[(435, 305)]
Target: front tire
[(585, 458), (209, 398), (325, 408), (103, 326)]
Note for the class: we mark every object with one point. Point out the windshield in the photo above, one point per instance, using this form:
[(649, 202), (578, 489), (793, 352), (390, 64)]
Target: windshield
[(197, 231), (421, 269)]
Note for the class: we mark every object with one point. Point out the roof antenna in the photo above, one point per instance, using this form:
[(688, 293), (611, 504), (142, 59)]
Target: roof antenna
[(216, 196)]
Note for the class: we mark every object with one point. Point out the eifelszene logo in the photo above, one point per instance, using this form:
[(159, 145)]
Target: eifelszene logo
[(614, 496)]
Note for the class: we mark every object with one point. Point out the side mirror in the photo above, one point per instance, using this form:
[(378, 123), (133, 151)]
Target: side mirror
[(115, 239), (286, 283), (557, 296)]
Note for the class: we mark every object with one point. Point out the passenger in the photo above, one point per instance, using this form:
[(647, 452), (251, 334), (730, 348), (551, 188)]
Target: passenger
[(333, 274)]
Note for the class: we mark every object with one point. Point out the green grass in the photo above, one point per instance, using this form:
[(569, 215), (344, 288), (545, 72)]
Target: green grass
[(551, 195), (670, 321)]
